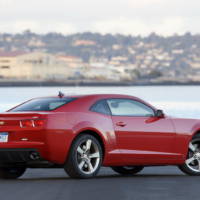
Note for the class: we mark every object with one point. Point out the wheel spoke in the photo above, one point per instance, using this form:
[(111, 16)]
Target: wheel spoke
[(188, 161), (81, 164), (192, 147), (88, 156), (94, 155), (90, 167), (88, 145), (80, 150), (199, 165)]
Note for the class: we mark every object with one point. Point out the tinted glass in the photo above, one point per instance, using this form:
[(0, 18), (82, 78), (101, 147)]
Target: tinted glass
[(128, 107), (101, 107), (43, 104)]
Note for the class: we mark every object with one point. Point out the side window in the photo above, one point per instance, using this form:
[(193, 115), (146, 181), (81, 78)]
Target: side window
[(101, 107), (128, 107)]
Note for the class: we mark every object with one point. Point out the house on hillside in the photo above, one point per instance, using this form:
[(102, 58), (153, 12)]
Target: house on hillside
[(33, 66)]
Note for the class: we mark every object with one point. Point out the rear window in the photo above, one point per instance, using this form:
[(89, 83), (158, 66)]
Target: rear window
[(42, 104)]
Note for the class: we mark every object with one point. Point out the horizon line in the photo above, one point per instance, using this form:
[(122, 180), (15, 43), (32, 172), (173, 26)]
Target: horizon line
[(28, 31)]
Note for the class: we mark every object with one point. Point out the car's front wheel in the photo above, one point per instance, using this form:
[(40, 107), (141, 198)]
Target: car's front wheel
[(192, 163), (11, 172), (85, 157), (128, 170)]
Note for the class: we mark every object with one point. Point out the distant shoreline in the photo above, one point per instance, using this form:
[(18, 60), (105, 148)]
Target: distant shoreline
[(91, 84)]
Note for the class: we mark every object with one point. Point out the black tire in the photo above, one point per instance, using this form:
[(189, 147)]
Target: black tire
[(75, 158), (129, 170), (11, 172), (190, 168)]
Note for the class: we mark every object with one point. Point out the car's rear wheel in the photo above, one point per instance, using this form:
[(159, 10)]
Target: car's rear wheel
[(128, 170), (85, 157), (11, 172), (192, 163)]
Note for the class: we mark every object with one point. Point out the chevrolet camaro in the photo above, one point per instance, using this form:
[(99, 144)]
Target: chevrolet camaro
[(81, 133)]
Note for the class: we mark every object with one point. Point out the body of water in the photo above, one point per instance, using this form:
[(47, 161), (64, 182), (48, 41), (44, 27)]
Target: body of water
[(179, 101)]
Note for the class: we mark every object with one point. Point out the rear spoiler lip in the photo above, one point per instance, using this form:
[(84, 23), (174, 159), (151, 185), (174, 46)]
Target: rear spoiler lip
[(25, 112), (22, 116)]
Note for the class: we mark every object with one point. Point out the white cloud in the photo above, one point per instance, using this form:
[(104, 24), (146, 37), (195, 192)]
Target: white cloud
[(65, 28), (167, 26), (6, 2), (144, 3), (69, 16), (171, 25), (36, 26)]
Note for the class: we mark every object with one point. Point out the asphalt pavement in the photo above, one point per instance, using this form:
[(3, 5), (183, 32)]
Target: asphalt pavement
[(53, 184)]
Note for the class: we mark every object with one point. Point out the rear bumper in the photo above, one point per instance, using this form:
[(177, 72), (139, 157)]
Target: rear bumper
[(20, 152), (19, 155)]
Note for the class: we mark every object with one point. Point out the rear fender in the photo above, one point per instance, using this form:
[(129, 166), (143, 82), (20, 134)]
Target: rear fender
[(88, 126), (107, 136)]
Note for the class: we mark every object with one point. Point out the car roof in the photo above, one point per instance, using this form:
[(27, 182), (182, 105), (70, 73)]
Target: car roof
[(102, 96), (107, 96), (94, 95)]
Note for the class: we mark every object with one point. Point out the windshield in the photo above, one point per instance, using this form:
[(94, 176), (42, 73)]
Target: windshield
[(42, 104)]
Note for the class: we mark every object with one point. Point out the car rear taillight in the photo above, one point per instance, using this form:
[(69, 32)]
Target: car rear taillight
[(39, 122), (26, 123), (31, 123)]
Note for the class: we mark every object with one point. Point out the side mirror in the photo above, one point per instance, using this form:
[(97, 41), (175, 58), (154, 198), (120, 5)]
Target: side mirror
[(159, 113)]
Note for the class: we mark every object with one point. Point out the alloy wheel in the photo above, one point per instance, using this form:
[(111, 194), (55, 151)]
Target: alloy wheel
[(88, 156), (193, 160)]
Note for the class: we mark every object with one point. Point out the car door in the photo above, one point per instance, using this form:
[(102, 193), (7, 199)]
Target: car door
[(141, 136)]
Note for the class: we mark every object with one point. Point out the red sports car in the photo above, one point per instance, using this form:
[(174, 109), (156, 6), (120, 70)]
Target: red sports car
[(83, 133)]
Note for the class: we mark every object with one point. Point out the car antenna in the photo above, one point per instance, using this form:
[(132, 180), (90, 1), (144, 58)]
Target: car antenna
[(60, 94)]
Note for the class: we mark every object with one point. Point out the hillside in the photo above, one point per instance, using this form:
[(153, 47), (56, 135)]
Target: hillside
[(153, 57)]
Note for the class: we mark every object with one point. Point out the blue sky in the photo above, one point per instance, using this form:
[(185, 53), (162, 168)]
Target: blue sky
[(165, 17)]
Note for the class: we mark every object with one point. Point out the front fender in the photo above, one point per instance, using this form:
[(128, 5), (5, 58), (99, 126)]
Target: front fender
[(195, 130), (185, 131)]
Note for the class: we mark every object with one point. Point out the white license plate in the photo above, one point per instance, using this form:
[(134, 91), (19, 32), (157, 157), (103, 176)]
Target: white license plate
[(3, 137)]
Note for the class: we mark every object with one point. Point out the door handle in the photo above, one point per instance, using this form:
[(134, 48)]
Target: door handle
[(122, 124)]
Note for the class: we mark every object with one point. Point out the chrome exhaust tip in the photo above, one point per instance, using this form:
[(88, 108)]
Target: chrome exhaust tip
[(34, 156)]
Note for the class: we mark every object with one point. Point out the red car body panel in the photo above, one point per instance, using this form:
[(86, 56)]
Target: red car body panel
[(142, 141)]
